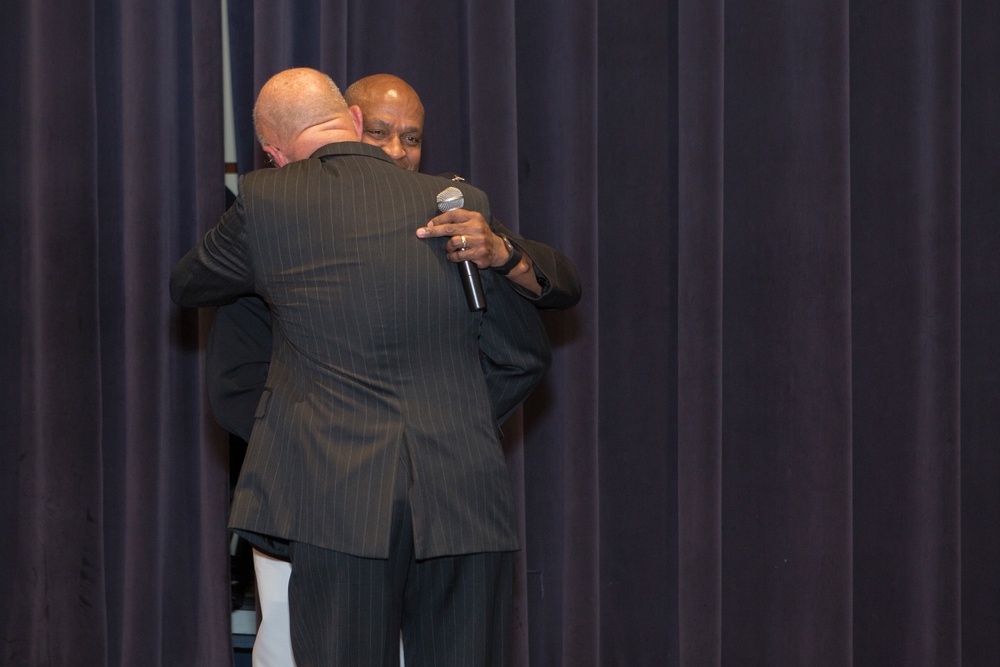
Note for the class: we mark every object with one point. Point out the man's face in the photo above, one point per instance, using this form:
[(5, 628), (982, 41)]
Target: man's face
[(394, 122)]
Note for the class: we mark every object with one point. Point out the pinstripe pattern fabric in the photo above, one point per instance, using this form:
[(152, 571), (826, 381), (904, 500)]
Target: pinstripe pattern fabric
[(374, 346), (455, 611), (460, 610), (460, 618)]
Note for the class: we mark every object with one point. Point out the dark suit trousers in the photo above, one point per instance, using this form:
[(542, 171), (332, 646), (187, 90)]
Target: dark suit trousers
[(348, 611)]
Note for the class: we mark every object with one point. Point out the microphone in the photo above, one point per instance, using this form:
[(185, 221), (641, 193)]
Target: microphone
[(447, 200)]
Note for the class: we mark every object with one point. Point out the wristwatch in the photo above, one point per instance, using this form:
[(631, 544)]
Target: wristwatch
[(512, 261)]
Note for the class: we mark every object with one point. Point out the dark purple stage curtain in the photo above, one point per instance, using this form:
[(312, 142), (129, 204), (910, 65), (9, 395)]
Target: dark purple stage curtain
[(769, 434), (114, 548), (906, 85), (785, 404), (980, 326)]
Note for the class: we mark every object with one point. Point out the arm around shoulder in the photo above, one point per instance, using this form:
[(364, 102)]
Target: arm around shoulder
[(217, 270)]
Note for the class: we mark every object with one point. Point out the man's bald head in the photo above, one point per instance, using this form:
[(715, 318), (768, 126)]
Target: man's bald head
[(378, 87), (299, 110), (393, 117)]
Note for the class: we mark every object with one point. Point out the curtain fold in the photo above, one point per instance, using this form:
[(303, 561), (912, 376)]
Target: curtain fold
[(980, 322), (700, 273), (115, 543), (769, 433), (631, 313), (906, 221), (786, 351)]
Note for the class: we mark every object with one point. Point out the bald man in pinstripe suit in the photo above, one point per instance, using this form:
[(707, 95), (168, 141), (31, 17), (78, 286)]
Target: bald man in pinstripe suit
[(375, 455)]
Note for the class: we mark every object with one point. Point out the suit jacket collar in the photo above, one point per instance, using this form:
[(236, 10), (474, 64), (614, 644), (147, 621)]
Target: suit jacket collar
[(351, 148)]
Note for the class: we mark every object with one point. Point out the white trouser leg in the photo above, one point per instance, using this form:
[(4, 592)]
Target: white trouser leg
[(273, 645)]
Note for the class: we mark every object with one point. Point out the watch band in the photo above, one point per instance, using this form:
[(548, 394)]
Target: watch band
[(512, 261)]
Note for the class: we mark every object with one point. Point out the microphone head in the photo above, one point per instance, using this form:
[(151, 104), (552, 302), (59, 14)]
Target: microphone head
[(449, 199)]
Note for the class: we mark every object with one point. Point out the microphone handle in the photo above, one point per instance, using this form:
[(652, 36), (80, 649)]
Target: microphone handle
[(472, 285)]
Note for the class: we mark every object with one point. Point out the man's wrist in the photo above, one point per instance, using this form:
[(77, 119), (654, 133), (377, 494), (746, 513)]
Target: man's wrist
[(513, 259)]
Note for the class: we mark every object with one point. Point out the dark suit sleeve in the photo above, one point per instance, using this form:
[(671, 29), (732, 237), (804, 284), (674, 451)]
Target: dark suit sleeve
[(556, 274), (216, 271), (514, 345), (238, 358)]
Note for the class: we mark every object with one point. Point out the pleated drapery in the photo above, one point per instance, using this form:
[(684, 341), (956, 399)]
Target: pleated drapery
[(769, 433)]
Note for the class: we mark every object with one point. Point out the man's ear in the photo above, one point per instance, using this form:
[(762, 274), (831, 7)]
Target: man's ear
[(278, 158), (358, 121)]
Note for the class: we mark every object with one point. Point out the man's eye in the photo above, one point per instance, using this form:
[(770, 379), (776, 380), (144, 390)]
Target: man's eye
[(412, 141), (378, 134)]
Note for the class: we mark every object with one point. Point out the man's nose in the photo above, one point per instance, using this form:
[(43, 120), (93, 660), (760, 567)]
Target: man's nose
[(395, 148)]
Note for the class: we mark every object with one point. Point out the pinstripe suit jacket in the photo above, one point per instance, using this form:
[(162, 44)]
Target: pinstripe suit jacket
[(239, 342), (374, 350)]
